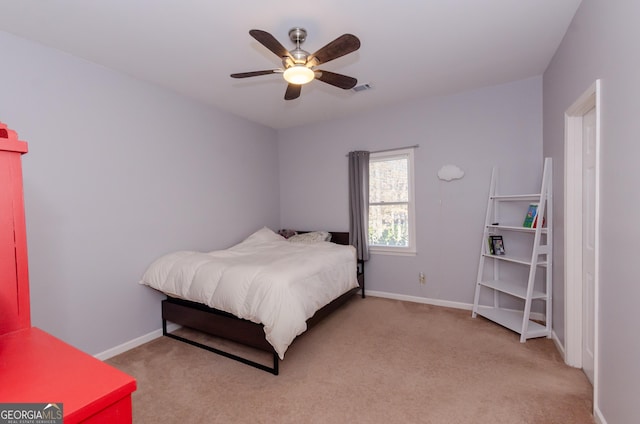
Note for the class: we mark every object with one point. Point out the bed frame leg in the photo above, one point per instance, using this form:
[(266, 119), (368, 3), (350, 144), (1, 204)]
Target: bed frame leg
[(360, 275), (276, 362), (273, 370)]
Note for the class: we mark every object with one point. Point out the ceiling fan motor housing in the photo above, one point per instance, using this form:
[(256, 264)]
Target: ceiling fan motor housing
[(298, 35)]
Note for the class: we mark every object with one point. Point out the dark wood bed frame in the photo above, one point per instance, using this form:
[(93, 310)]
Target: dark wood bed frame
[(227, 326)]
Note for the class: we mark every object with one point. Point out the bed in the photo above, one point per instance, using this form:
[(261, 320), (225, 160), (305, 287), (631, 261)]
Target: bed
[(262, 292)]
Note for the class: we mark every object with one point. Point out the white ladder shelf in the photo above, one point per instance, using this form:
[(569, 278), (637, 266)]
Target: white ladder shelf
[(518, 320)]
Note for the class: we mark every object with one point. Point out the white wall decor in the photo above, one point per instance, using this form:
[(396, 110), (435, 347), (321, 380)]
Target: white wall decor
[(450, 172)]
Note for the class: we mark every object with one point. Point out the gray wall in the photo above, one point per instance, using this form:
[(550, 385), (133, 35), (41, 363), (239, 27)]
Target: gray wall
[(494, 126), (602, 42), (118, 173)]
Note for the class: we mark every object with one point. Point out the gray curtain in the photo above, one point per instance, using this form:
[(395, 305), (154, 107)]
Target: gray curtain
[(359, 202)]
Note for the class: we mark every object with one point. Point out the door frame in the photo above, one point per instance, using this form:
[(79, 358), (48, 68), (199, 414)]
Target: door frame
[(573, 230)]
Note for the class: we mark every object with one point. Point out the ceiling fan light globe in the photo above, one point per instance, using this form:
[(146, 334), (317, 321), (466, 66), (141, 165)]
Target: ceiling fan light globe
[(298, 74)]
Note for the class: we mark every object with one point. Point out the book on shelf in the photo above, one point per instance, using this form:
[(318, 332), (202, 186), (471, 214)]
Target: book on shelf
[(530, 218), (496, 245), (535, 221)]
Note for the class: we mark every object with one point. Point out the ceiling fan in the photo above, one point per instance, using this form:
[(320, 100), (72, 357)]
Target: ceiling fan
[(299, 66)]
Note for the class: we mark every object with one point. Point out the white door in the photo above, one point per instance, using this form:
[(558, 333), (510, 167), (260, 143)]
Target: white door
[(588, 240)]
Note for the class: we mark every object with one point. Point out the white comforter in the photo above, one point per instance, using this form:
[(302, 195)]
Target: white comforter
[(265, 279)]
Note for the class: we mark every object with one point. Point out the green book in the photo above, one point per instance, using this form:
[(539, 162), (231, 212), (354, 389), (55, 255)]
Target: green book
[(530, 218)]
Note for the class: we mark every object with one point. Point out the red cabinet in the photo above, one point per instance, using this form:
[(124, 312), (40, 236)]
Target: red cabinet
[(35, 367), (14, 277)]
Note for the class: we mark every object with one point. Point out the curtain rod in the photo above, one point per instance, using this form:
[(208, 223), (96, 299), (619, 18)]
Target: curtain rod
[(415, 146)]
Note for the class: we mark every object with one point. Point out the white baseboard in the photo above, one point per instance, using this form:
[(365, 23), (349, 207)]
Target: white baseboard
[(597, 415), (416, 299), (436, 302), (110, 353), (559, 345)]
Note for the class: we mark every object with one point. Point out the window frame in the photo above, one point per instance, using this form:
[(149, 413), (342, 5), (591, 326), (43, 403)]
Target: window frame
[(408, 153)]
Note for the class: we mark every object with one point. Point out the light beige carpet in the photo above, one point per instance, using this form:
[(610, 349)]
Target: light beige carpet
[(373, 361)]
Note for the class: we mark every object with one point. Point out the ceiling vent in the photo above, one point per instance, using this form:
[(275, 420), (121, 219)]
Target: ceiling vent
[(362, 87)]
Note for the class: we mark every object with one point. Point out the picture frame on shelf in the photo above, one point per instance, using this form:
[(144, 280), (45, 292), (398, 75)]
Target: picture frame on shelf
[(497, 245), (490, 245)]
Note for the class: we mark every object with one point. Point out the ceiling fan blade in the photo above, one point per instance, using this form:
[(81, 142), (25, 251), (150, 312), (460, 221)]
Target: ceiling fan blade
[(270, 42), (293, 91), (254, 73), (339, 47), (338, 80)]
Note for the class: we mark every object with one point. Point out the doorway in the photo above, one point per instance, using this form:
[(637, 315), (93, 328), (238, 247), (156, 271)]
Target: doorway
[(582, 151)]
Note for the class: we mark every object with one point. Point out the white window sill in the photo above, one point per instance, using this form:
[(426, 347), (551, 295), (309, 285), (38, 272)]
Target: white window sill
[(391, 251)]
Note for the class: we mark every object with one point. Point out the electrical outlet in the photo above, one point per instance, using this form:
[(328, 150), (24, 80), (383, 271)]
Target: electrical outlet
[(422, 278)]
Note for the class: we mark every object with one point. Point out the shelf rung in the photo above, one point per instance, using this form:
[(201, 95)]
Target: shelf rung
[(543, 230), (515, 260), (514, 289), (513, 321), (515, 197)]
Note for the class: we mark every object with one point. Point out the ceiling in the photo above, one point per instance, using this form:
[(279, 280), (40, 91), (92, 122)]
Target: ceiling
[(410, 48)]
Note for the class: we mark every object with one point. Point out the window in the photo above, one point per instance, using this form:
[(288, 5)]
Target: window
[(391, 202)]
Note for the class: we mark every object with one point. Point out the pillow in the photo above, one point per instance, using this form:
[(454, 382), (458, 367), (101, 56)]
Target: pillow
[(287, 233), (312, 237), (262, 235)]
